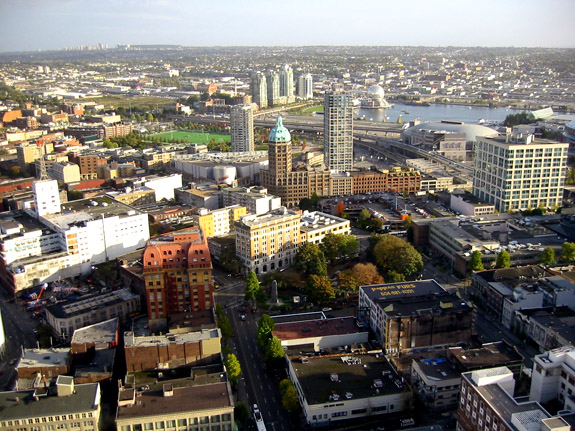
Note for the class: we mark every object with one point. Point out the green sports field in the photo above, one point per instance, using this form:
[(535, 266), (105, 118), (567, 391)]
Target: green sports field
[(194, 137)]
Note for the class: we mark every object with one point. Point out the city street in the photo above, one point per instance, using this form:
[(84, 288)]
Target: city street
[(19, 332), (256, 386)]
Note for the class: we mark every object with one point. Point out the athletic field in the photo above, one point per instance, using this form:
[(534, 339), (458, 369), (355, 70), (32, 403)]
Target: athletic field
[(194, 137)]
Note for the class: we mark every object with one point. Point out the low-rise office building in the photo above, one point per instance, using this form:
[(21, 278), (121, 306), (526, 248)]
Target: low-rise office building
[(65, 317), (171, 350), (415, 315), (553, 376), (486, 402), (66, 406), (436, 383), (346, 386), (191, 404)]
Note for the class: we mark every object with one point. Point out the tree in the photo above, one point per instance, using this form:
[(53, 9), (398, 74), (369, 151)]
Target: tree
[(265, 327), (233, 367), (503, 260), (395, 254), (150, 117), (319, 288), (568, 252), (225, 327), (330, 246), (290, 400), (363, 218), (346, 282), (548, 256), (274, 351), (366, 273), (229, 260), (252, 287), (306, 204), (242, 412), (407, 222), (348, 245), (475, 263), (394, 277), (310, 260)]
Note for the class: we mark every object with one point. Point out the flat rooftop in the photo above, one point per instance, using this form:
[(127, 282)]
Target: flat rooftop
[(22, 404), (438, 369), (300, 317), (80, 211), (154, 403), (356, 374), (85, 304), (99, 333), (272, 216), (38, 358), (322, 327), (131, 340), (489, 355), (384, 292), (502, 402)]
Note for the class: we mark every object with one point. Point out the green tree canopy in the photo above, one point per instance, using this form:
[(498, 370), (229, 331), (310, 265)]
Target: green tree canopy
[(274, 351), (229, 260), (310, 260), (225, 327), (252, 287), (475, 263), (395, 254), (319, 288), (394, 277), (233, 367), (290, 400), (503, 259), (547, 256), (265, 327), (363, 218), (568, 252)]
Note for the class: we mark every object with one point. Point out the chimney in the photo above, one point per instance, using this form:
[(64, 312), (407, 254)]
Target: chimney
[(168, 389)]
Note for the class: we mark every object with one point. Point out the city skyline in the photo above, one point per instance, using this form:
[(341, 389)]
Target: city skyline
[(226, 23)]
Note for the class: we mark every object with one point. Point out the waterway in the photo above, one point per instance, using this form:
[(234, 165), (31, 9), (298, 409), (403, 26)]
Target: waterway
[(436, 112)]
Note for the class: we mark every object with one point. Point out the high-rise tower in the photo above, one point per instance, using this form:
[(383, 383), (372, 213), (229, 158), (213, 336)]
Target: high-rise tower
[(286, 83), (273, 88), (305, 86), (242, 125), (338, 131), (259, 89)]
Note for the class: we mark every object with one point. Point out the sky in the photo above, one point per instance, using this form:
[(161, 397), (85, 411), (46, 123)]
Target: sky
[(31, 25)]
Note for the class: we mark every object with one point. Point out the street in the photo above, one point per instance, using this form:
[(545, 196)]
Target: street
[(18, 330), (255, 386)]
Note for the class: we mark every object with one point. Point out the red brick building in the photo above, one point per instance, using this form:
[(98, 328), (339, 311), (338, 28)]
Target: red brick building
[(177, 275)]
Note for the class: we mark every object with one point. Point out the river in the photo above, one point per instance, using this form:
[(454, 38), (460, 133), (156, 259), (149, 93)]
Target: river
[(436, 112)]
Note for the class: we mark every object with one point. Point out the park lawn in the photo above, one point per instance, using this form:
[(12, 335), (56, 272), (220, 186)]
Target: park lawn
[(195, 137), (318, 108)]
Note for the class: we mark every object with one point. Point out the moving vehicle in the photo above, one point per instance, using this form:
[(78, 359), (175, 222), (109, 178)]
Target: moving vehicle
[(259, 419)]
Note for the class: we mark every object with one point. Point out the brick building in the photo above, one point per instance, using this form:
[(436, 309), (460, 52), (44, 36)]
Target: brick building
[(177, 274)]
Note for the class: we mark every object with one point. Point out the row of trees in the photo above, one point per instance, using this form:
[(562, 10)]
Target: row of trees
[(547, 257)]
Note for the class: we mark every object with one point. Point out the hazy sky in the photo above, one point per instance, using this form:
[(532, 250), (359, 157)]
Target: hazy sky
[(27, 25)]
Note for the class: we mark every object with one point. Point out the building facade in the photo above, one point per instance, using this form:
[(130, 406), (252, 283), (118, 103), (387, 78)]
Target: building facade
[(415, 315), (518, 172), (305, 86), (259, 89), (286, 83), (70, 406), (268, 242), (553, 376), (338, 131), (242, 128), (177, 274), (65, 317)]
